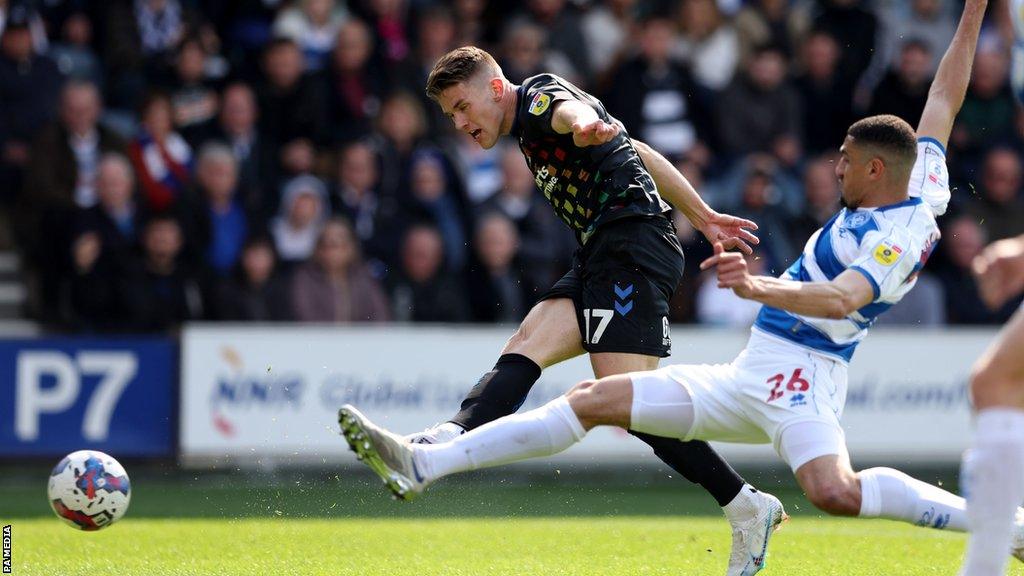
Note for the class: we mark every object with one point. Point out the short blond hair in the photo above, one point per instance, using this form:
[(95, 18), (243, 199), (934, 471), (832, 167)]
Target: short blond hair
[(458, 66)]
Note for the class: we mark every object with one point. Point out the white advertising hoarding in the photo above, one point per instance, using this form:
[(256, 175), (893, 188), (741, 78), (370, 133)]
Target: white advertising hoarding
[(271, 393)]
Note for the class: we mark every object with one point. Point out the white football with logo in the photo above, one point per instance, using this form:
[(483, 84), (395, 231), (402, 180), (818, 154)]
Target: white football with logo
[(89, 490)]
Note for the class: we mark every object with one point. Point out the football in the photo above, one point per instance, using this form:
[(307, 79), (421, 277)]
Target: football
[(89, 490)]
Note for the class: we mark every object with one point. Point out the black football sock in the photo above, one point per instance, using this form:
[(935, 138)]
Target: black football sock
[(698, 463), (499, 392)]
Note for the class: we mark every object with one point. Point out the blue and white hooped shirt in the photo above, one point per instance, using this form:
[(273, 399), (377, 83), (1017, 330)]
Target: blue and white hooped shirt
[(887, 244)]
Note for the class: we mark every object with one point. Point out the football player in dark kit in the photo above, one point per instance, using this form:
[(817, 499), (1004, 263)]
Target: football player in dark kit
[(614, 302)]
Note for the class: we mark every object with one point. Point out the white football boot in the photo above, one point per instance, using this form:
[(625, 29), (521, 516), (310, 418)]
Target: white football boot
[(750, 536), (387, 454)]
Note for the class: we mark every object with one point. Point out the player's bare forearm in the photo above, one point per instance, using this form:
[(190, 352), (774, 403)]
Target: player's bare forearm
[(817, 299), (673, 186), (954, 74), (836, 299)]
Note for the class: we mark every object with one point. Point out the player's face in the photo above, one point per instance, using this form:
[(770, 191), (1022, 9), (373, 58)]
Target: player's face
[(851, 172), (473, 106)]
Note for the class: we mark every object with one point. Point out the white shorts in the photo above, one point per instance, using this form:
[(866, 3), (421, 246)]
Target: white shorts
[(774, 391)]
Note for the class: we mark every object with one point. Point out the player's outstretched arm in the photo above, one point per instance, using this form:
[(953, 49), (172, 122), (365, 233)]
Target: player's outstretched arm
[(950, 85), (731, 231), (999, 271), (848, 292)]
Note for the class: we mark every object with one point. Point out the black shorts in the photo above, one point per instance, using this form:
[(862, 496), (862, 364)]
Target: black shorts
[(621, 283)]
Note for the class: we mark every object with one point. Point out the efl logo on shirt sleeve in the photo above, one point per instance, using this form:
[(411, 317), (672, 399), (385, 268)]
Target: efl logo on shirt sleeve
[(887, 253), (540, 104)]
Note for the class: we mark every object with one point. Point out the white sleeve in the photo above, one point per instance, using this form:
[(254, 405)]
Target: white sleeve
[(930, 179), (887, 259)]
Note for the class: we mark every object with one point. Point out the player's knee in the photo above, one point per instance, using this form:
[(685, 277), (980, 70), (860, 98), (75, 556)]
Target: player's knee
[(992, 386), (594, 402), (836, 497)]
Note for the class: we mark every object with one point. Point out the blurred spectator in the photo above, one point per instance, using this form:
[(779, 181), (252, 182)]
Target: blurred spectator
[(255, 292), (65, 155), (988, 115), (224, 225), (478, 167), (297, 225), (609, 28), (194, 100), (546, 245), (138, 42), (390, 20), (437, 201), (376, 222), (356, 84), (161, 157), (855, 28), (420, 290), (564, 33), (61, 177), (334, 286), (164, 292), (760, 111), (291, 105), (29, 89), (926, 308), (313, 25), (20, 10), (721, 306), (963, 240), (524, 53), (654, 96), (998, 206), (498, 290), (904, 90), (826, 96), (708, 43), (102, 251), (236, 126), (435, 38), (775, 22), (469, 22), (927, 21), (73, 54), (821, 194), (762, 202)]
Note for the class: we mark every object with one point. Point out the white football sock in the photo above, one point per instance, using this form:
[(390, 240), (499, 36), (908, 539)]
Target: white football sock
[(744, 506), (542, 432), (993, 482), (888, 493)]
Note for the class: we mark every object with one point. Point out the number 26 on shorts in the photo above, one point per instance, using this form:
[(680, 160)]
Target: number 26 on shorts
[(795, 384)]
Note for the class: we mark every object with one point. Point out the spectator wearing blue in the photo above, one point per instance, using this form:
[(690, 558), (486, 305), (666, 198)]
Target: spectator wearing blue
[(73, 54), (435, 200), (225, 224)]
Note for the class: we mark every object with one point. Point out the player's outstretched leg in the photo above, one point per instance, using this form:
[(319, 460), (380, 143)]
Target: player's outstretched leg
[(407, 468), (993, 470), (547, 336)]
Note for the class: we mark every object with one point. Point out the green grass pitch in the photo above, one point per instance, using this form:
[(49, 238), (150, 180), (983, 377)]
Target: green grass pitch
[(472, 528)]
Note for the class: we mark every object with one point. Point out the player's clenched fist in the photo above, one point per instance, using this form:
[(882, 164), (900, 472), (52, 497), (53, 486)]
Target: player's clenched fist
[(732, 270), (593, 134)]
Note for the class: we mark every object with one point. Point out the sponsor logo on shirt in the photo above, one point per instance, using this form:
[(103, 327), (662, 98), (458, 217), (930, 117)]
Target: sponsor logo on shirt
[(540, 104), (887, 253)]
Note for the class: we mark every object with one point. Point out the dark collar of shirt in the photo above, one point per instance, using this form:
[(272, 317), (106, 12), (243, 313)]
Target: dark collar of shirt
[(520, 94)]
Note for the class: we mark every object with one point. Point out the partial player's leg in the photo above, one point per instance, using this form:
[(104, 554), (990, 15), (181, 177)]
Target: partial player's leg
[(407, 468), (993, 470), (547, 336), (831, 485)]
